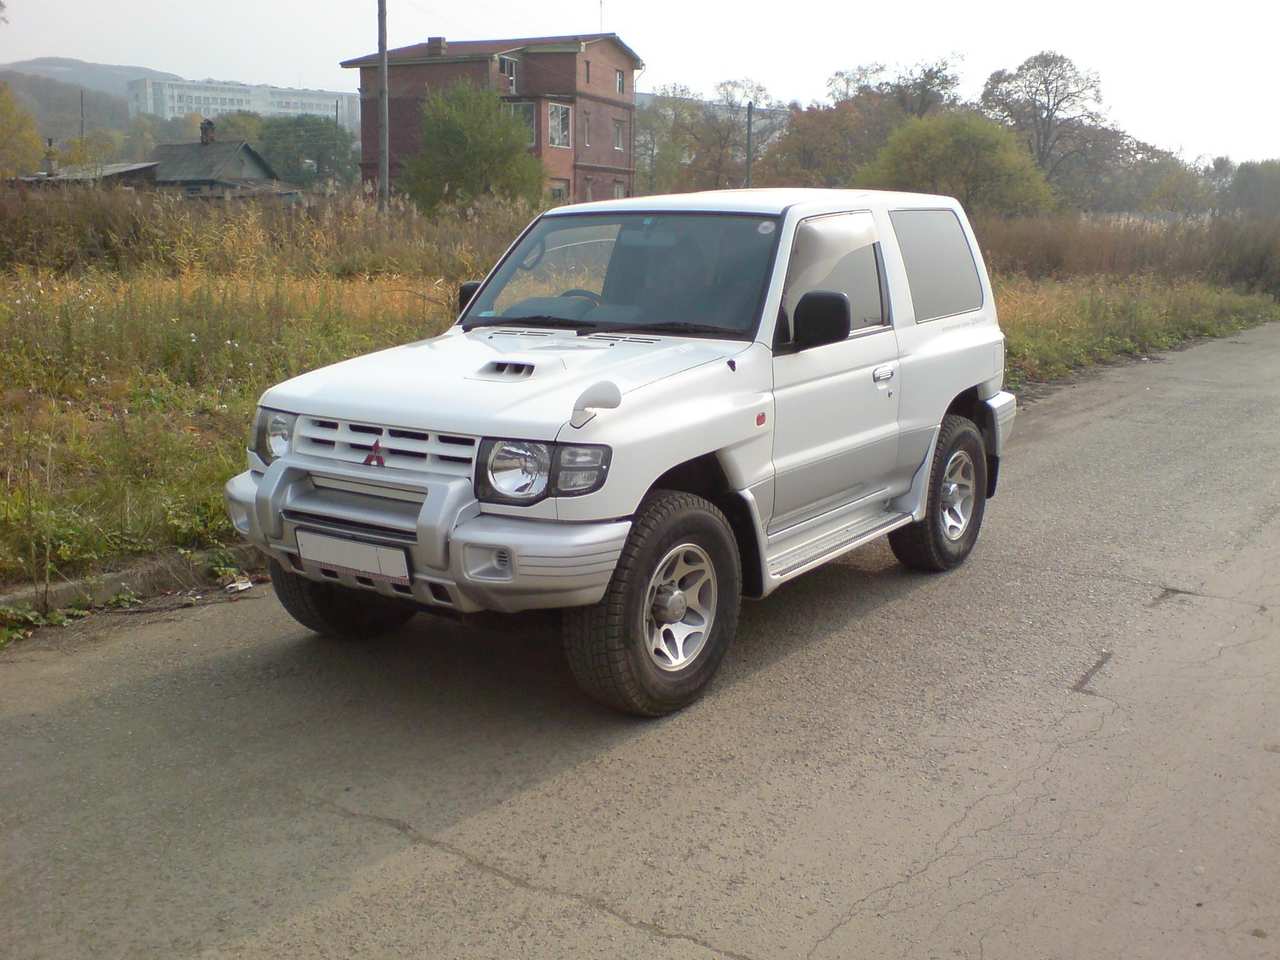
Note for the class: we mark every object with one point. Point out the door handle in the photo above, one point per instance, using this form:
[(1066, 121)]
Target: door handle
[(882, 374)]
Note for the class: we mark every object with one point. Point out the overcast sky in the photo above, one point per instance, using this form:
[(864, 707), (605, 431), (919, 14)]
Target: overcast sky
[(1199, 78)]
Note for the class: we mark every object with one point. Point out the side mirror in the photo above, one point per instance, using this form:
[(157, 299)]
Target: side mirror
[(466, 292), (822, 317)]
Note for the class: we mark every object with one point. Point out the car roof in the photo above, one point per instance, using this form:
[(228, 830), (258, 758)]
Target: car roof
[(766, 201)]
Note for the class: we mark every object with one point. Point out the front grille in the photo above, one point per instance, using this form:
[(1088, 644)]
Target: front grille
[(353, 442)]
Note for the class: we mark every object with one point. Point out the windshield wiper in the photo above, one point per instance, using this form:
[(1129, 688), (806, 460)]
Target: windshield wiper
[(534, 320), (666, 327)]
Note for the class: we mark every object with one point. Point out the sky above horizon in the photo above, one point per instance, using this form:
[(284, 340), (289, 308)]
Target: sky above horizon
[(1196, 80)]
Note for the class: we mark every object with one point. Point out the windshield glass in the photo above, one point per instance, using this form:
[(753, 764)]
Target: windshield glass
[(706, 272)]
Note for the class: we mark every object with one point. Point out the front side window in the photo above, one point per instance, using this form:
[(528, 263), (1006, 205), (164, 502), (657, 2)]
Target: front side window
[(941, 271), (703, 274), (835, 252), (558, 129)]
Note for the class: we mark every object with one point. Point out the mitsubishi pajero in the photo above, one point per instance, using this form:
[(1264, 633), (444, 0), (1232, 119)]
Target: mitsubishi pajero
[(651, 408)]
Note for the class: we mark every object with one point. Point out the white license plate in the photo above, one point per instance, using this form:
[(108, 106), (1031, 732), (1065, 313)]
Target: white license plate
[(352, 556)]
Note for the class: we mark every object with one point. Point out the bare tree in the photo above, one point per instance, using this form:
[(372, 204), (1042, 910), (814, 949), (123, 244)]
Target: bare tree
[(719, 134), (917, 90), (1054, 105)]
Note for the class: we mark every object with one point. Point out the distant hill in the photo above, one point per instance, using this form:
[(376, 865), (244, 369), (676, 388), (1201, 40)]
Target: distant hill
[(104, 77), (56, 106)]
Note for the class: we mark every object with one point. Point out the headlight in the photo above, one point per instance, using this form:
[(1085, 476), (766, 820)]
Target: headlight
[(272, 432), (526, 471), (516, 471)]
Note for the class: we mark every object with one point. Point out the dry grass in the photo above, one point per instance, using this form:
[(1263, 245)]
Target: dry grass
[(139, 333), (1056, 326)]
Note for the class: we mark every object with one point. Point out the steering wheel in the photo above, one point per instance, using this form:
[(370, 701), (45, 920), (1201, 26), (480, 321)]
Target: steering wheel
[(590, 295)]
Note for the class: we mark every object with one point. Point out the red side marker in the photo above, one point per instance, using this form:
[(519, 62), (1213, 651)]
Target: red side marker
[(759, 419)]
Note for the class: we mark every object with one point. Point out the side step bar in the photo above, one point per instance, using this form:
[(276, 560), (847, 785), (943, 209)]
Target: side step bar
[(801, 559)]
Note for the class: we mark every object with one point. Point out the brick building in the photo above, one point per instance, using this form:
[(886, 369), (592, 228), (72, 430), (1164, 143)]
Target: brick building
[(576, 93)]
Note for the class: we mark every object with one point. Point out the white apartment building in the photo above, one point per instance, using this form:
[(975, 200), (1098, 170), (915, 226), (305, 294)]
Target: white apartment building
[(212, 98)]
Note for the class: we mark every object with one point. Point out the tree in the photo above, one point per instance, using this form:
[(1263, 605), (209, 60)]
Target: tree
[(963, 155), (664, 143), (1180, 189), (305, 150), (824, 146), (1053, 105), (472, 146), (240, 125), (92, 150), (717, 135), (19, 143), (917, 91), (1255, 188)]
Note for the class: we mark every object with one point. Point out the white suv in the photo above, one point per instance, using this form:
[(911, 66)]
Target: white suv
[(650, 408)]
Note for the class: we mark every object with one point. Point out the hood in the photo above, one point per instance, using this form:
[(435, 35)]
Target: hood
[(491, 381)]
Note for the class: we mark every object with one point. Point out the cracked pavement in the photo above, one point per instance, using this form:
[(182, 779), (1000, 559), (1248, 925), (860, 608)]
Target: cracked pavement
[(1070, 747)]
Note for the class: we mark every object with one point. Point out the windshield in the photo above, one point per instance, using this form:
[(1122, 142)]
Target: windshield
[(703, 274)]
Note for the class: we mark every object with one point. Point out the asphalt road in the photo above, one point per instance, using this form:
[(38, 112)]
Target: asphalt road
[(1068, 748)]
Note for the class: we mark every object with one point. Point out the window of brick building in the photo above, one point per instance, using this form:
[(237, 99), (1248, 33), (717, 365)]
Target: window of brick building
[(586, 128), (507, 67), (525, 111), (619, 135), (559, 130), (559, 191), (619, 189), (622, 80), (588, 63)]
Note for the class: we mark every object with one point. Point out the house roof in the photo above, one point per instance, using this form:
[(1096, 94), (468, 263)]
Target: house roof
[(200, 162), (91, 172), (483, 49)]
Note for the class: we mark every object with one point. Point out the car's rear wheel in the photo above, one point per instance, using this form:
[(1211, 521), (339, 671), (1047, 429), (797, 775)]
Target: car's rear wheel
[(337, 611), (652, 644), (957, 502)]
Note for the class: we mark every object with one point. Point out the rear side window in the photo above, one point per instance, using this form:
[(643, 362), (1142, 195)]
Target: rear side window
[(836, 252), (940, 267)]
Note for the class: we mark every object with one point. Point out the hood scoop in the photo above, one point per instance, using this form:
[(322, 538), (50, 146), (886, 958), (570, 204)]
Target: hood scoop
[(505, 370)]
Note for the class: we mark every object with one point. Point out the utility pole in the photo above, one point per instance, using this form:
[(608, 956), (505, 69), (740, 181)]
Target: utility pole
[(384, 113), (82, 114), (602, 16), (751, 112)]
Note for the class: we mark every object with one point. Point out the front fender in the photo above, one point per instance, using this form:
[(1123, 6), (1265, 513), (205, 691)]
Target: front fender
[(717, 409)]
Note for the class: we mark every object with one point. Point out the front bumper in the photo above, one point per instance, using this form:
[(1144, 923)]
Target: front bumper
[(459, 558)]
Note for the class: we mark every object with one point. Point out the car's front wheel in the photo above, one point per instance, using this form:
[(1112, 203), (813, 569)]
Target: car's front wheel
[(652, 644), (337, 611)]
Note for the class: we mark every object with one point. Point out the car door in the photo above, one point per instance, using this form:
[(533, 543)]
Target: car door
[(836, 405)]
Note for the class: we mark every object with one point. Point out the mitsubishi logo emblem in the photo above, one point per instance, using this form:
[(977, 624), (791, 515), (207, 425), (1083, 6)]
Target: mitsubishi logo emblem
[(374, 459)]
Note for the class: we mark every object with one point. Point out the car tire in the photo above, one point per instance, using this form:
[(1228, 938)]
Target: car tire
[(335, 611), (957, 495), (640, 650)]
